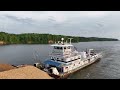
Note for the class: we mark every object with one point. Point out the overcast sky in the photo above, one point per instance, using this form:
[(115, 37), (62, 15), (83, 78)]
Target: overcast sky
[(75, 23)]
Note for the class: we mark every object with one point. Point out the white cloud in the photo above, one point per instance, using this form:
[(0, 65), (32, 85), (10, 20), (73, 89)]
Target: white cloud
[(94, 13), (84, 23), (36, 15), (59, 16)]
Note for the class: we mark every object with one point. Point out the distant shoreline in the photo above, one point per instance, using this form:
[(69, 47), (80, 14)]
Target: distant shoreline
[(36, 38), (50, 44)]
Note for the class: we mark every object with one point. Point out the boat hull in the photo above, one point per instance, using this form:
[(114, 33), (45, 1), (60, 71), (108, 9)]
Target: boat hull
[(66, 75)]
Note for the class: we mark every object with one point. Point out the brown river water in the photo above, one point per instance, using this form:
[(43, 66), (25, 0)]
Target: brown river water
[(107, 68)]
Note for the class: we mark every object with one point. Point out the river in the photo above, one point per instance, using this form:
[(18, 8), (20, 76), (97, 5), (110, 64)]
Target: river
[(107, 68)]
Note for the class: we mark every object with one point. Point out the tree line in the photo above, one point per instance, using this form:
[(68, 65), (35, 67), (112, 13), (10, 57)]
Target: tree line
[(35, 38)]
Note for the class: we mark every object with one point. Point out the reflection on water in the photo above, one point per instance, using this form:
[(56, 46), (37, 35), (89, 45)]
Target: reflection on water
[(107, 68)]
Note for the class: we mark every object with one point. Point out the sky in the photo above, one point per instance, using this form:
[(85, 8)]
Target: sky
[(73, 23)]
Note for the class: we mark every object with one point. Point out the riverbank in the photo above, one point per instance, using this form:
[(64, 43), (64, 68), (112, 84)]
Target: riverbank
[(22, 72), (38, 38)]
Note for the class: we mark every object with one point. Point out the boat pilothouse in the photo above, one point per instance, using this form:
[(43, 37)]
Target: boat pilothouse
[(65, 59), (64, 52)]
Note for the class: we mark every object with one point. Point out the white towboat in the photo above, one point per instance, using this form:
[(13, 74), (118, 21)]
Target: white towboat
[(65, 59)]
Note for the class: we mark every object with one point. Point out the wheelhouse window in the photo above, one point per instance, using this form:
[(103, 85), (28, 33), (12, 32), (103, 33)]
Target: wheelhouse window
[(64, 47), (55, 47), (60, 48)]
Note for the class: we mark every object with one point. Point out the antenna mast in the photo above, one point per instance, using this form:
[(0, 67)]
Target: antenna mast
[(70, 39)]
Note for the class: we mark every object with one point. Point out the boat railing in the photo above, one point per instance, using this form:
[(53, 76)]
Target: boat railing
[(64, 55)]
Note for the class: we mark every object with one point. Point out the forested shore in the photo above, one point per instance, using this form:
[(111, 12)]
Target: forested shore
[(35, 38)]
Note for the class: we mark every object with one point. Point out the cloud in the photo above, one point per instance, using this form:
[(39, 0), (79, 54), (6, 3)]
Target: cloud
[(77, 23), (94, 14), (20, 20), (57, 15)]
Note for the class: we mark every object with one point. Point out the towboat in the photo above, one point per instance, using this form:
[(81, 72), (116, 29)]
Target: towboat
[(65, 59)]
